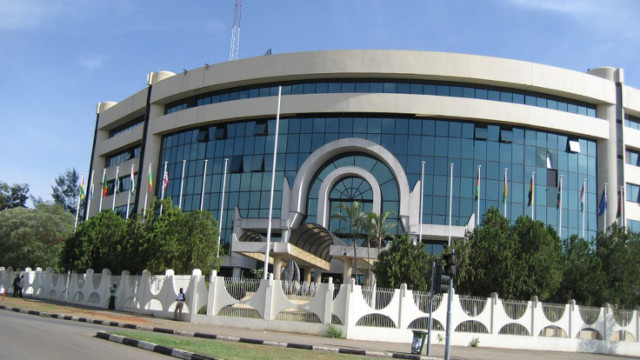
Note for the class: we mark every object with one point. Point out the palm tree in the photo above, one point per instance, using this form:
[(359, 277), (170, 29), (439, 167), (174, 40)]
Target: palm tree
[(378, 229), (356, 219)]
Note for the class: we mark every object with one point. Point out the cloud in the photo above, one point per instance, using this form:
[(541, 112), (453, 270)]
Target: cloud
[(91, 61)]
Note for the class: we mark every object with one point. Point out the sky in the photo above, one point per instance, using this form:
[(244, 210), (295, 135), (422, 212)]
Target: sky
[(59, 59)]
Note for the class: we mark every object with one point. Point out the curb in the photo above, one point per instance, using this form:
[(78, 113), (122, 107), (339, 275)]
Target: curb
[(188, 355)]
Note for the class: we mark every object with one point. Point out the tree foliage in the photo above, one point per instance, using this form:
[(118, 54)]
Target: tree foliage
[(12, 196), (618, 250), (33, 237), (175, 240), (517, 261), (404, 262), (66, 191), (584, 279), (355, 219)]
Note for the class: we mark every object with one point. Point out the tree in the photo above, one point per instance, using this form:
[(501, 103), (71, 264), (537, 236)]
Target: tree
[(516, 261), (354, 218), (175, 240), (97, 244), (33, 237), (66, 191), (584, 279), (13, 196), (378, 230), (404, 262), (487, 261), (618, 250)]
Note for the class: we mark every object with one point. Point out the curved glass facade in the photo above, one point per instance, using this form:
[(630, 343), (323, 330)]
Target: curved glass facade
[(249, 147), (388, 86)]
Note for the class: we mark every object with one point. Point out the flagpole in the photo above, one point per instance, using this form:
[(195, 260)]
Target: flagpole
[(224, 185), (505, 192), (204, 180), (478, 190), (421, 201), (184, 163), (104, 180), (132, 177), (622, 203), (115, 189), (273, 180), (533, 195), (560, 209), (89, 197), (75, 224), (604, 220), (450, 202), (163, 187), (146, 193), (584, 204)]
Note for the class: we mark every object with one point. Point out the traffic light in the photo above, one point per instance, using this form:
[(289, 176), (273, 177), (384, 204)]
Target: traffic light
[(451, 262), (442, 281)]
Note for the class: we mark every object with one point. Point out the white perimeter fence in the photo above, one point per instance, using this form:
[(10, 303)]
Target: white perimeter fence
[(359, 312)]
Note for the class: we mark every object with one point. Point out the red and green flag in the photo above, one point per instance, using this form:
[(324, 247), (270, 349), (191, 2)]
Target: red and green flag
[(83, 188), (505, 192), (105, 188), (150, 180)]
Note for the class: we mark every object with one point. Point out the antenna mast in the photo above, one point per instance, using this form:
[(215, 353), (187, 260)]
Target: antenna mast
[(235, 31)]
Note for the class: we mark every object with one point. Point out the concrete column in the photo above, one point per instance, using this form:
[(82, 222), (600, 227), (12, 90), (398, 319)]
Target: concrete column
[(277, 267), (608, 164), (348, 269), (318, 273), (307, 274)]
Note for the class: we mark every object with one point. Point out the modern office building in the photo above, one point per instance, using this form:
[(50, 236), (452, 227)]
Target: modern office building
[(369, 126)]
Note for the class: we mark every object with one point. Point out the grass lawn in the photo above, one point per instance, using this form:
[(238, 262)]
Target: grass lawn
[(233, 350)]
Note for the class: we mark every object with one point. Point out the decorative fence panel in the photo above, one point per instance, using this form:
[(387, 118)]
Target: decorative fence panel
[(361, 312)]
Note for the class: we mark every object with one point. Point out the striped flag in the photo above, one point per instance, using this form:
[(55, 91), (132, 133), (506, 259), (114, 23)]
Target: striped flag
[(505, 190), (83, 188), (559, 193), (477, 195), (133, 182), (530, 192), (105, 188), (150, 180), (582, 198), (165, 181)]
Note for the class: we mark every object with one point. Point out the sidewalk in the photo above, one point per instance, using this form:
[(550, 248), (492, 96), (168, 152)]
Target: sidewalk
[(395, 350)]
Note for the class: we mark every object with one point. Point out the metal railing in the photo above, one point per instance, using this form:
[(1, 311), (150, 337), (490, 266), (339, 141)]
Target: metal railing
[(472, 306), (553, 312), (515, 309), (421, 299), (377, 298), (240, 288)]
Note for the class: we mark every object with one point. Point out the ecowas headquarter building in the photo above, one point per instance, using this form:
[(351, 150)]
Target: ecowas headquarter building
[(368, 126)]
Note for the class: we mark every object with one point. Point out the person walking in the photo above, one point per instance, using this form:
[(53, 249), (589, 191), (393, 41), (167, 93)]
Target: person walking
[(16, 285), (21, 285), (2, 292), (112, 297), (177, 313)]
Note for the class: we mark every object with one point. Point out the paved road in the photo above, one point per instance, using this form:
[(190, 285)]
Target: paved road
[(32, 337)]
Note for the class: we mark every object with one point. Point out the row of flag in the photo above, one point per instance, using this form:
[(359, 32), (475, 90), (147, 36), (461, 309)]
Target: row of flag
[(530, 196)]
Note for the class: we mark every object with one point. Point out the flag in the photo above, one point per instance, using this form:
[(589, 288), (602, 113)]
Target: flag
[(150, 180), (477, 196), (133, 182), (116, 185), (505, 191), (91, 190), (165, 180), (105, 188), (559, 194), (603, 203), (619, 212), (530, 192), (82, 188), (582, 198)]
